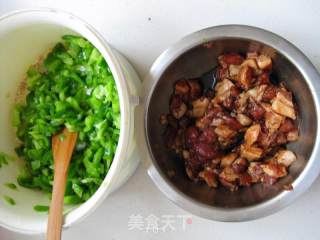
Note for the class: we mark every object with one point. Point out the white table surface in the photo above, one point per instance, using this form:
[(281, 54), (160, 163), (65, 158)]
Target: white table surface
[(141, 30)]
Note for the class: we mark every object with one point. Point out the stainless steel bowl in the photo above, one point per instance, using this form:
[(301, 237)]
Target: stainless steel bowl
[(196, 54)]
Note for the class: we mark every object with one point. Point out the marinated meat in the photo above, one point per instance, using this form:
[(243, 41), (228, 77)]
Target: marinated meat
[(235, 134)]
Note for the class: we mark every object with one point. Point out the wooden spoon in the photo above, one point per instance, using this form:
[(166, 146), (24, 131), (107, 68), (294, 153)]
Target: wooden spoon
[(62, 148)]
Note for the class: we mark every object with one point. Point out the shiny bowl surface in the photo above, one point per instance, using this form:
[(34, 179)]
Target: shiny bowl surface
[(195, 55)]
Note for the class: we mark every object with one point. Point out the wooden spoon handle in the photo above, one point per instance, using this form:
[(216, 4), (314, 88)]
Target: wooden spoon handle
[(55, 220), (62, 152)]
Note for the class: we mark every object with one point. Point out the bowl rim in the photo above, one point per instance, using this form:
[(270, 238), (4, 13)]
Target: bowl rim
[(84, 209), (296, 57)]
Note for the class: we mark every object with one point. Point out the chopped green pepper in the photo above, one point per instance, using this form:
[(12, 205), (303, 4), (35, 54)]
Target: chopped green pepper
[(4, 158), (41, 208), (11, 186), (9, 200), (73, 87)]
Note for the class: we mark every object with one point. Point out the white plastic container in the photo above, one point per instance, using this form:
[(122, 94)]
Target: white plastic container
[(24, 36)]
